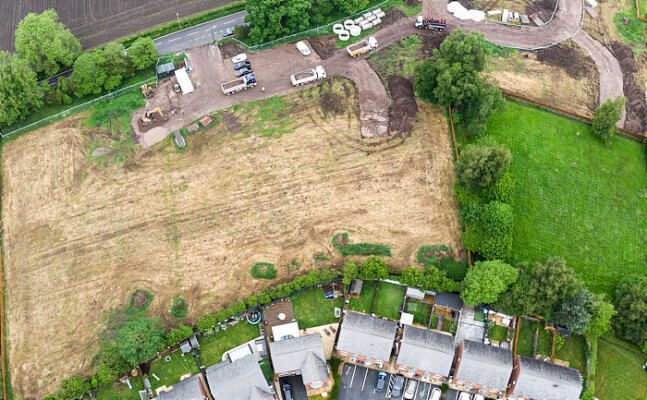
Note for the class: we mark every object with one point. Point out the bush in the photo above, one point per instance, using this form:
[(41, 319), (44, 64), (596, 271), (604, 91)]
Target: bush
[(340, 242), (263, 270), (179, 308), (178, 334), (455, 269), (206, 322), (141, 299)]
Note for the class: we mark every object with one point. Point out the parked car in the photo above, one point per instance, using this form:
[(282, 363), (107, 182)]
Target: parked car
[(303, 48), (287, 391), (411, 389), (228, 32), (243, 64), (435, 394), (243, 71), (478, 397), (239, 58), (465, 396), (398, 384), (380, 383)]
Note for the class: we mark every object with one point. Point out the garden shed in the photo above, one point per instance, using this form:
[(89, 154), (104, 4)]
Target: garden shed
[(356, 288)]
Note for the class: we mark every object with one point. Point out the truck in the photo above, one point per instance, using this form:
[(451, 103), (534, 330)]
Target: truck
[(362, 47), (437, 24), (307, 76), (242, 83)]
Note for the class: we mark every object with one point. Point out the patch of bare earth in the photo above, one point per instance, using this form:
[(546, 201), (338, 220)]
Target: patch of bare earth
[(561, 76), (80, 238)]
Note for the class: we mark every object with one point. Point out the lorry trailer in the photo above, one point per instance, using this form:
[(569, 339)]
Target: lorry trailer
[(359, 48), (438, 24), (307, 76), (242, 83)]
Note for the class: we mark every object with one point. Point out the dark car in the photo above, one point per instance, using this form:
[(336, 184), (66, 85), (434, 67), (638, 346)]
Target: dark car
[(243, 71), (380, 384), (398, 384), (242, 64)]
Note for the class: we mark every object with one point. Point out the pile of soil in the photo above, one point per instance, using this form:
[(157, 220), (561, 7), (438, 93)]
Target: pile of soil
[(543, 8), (230, 49), (576, 63), (232, 123), (139, 299), (324, 45), (392, 15), (431, 40), (636, 105), (403, 108)]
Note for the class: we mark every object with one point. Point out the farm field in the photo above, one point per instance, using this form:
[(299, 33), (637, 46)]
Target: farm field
[(97, 22), (85, 234), (574, 197), (619, 373)]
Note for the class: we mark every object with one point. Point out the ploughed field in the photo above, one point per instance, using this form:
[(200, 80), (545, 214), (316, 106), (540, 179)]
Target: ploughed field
[(96, 22), (273, 181)]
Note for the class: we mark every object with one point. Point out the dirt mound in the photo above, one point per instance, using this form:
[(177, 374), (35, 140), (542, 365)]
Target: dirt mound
[(636, 105), (324, 45), (576, 64), (230, 49), (392, 15), (232, 123), (431, 40), (403, 108)]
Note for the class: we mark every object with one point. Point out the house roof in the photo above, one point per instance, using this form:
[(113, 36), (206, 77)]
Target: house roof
[(449, 300), (188, 389), (304, 355), (485, 365), (547, 381), (367, 336), (356, 286), (425, 350), (238, 380), (415, 293)]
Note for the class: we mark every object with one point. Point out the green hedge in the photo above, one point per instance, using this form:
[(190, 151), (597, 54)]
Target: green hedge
[(263, 270), (340, 242), (179, 308)]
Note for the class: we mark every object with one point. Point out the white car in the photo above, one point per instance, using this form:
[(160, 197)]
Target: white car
[(239, 58), (435, 394), (465, 396), (411, 389), (303, 48)]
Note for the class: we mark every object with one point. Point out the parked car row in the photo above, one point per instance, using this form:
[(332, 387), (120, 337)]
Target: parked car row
[(467, 396), (399, 386)]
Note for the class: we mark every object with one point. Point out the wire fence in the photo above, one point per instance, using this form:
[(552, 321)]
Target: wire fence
[(320, 30), (75, 109)]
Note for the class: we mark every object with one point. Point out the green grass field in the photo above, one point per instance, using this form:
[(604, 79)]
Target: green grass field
[(169, 373), (419, 310), (313, 309), (526, 335), (642, 7), (120, 391), (389, 299), (365, 300), (498, 333), (619, 372), (574, 351), (213, 347), (575, 197)]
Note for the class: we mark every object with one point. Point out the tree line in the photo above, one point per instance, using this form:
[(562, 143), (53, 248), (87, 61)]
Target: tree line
[(44, 47)]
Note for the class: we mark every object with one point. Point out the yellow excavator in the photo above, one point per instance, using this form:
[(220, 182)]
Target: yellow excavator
[(147, 91), (149, 115)]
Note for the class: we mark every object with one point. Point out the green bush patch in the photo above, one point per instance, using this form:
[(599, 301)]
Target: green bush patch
[(141, 299), (340, 242), (441, 257), (179, 308), (631, 28), (263, 270)]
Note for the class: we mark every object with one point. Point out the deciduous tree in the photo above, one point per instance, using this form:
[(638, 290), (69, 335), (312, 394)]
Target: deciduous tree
[(46, 44), (89, 75), (631, 305), (573, 312), (551, 283), (271, 19), (19, 91), (374, 268), (606, 117), (74, 387), (350, 7), (142, 53), (480, 166), (601, 314), (350, 272), (486, 281), (517, 299), (116, 64), (139, 340), (175, 335)]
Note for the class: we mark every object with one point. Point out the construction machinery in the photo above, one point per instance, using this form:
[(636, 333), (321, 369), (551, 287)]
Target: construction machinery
[(149, 115), (307, 76), (242, 83), (362, 47), (437, 24), (148, 92)]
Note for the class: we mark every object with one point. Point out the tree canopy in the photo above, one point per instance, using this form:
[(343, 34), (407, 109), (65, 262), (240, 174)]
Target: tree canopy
[(373, 267), (45, 43), (452, 78), (490, 230), (486, 281), (271, 19), (19, 91), (605, 118), (139, 340), (551, 283), (631, 307), (480, 167), (89, 74), (601, 314), (116, 64), (573, 312), (142, 53)]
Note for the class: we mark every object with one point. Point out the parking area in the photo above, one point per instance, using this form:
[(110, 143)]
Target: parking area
[(358, 383), (297, 389)]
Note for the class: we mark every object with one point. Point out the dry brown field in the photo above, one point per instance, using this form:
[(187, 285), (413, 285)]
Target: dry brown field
[(79, 236), (96, 22)]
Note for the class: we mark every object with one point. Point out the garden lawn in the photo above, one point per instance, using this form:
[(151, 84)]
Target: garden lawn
[(419, 310), (169, 373), (498, 333), (313, 309), (574, 351), (389, 300), (213, 347), (619, 373), (364, 302), (120, 391), (526, 335), (267, 369), (575, 197)]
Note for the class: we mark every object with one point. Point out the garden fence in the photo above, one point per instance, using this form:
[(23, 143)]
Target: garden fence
[(74, 109)]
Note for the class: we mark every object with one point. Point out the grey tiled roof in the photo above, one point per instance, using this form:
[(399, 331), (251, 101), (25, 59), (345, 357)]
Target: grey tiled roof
[(303, 354), (449, 300), (238, 380), (546, 381), (485, 365), (188, 389), (425, 350), (367, 336)]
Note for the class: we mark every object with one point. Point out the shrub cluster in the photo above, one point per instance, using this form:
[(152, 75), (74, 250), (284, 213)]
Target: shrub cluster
[(441, 257), (340, 242), (179, 308), (263, 270)]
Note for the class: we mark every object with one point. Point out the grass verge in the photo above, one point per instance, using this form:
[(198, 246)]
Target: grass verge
[(389, 299), (313, 309), (619, 373), (213, 347), (575, 197)]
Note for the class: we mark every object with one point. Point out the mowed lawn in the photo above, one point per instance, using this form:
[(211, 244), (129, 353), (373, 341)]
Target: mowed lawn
[(575, 197), (313, 309), (213, 347), (619, 373), (389, 299), (364, 303)]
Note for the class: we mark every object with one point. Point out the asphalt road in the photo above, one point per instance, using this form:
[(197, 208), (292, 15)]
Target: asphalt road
[(205, 33)]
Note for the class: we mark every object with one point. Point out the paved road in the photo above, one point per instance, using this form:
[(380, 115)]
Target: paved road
[(198, 35)]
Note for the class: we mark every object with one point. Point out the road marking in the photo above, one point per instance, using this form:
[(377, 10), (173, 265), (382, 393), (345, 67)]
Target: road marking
[(173, 40), (364, 383), (352, 377), (231, 20), (208, 30), (192, 33)]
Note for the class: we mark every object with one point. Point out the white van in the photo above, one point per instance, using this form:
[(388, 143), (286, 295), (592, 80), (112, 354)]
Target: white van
[(435, 394), (478, 397), (465, 396), (411, 389)]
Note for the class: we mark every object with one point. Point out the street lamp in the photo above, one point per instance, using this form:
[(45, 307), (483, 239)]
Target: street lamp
[(178, 19)]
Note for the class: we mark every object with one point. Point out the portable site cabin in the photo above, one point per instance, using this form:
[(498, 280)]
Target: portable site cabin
[(184, 81)]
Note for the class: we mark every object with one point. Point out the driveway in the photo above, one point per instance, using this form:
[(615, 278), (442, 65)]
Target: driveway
[(358, 383), (298, 390), (468, 328)]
